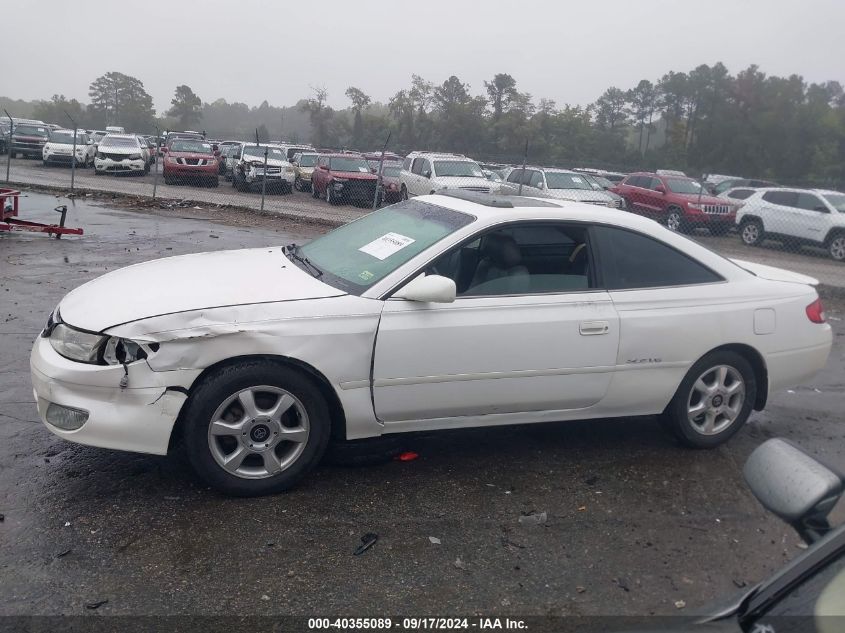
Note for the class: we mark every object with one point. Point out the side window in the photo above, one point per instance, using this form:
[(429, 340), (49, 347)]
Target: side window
[(635, 181), (811, 202), (783, 198), (536, 179), (515, 175), (632, 260), (406, 164), (653, 183), (418, 166), (426, 168), (741, 194), (520, 259)]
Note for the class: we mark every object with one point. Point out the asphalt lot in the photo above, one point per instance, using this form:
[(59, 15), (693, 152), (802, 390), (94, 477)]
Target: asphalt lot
[(634, 522)]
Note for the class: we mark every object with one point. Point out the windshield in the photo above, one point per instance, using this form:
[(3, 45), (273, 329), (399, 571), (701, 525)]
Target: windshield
[(195, 147), (461, 168), (63, 138), (357, 255), (684, 185), (836, 200), (307, 160), (563, 180), (391, 172), (349, 163), (256, 152), (32, 130), (119, 142)]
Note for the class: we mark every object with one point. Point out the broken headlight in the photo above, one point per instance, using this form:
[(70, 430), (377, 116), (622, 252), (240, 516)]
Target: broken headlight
[(92, 348)]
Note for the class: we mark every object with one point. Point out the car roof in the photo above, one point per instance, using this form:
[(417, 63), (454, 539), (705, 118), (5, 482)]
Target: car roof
[(121, 136), (789, 190)]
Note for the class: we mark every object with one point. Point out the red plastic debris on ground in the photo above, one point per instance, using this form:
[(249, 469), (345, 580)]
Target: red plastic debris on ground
[(407, 456)]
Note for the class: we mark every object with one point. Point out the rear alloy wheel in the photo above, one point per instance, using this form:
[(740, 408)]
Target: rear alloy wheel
[(713, 401), (675, 221), (255, 428), (836, 247), (751, 232)]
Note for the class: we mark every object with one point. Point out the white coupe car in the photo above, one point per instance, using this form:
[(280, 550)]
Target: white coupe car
[(435, 313)]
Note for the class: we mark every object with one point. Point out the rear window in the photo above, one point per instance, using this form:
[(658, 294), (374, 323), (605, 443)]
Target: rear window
[(740, 194), (785, 198), (631, 260)]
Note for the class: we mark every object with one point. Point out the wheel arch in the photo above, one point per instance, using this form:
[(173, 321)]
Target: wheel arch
[(758, 364), (833, 232), (337, 414)]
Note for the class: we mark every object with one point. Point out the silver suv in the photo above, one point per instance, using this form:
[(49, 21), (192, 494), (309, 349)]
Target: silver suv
[(558, 183)]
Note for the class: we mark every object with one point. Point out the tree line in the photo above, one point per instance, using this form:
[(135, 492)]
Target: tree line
[(702, 121)]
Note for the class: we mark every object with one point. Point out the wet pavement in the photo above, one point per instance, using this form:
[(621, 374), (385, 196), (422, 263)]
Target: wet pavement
[(633, 523)]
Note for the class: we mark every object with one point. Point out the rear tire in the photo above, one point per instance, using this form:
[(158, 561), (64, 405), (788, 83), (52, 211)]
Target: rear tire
[(230, 416), (713, 400), (751, 232)]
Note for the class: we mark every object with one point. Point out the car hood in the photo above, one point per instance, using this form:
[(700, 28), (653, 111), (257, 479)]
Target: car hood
[(693, 197), (354, 175), (581, 195), (189, 282), (775, 274), (464, 181), (271, 162), (190, 155), (110, 149)]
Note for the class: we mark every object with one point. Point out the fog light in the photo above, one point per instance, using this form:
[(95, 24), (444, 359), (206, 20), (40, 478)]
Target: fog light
[(66, 418)]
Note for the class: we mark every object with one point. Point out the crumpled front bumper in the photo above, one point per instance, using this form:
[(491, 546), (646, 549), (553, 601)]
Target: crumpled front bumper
[(137, 418)]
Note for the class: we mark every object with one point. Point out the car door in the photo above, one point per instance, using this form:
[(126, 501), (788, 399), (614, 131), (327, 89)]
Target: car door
[(632, 190), (672, 310), (810, 217), (530, 331), (652, 201), (778, 212), (513, 180)]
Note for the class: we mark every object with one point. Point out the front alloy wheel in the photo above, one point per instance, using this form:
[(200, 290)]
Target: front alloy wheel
[(674, 221), (256, 427), (258, 432), (836, 248)]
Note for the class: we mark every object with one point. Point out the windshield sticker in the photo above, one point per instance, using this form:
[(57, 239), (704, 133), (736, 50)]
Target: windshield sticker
[(366, 275), (577, 179), (386, 245), (363, 170)]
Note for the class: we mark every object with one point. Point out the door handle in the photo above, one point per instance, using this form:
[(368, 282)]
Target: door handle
[(593, 328)]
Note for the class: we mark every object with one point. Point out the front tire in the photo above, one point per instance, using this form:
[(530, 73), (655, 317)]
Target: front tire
[(675, 221), (836, 247), (713, 401), (751, 232), (255, 428)]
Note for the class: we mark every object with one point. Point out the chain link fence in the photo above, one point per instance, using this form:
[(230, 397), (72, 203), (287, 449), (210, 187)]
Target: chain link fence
[(801, 228)]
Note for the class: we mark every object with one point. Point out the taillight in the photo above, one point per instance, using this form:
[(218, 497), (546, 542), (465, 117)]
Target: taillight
[(815, 312)]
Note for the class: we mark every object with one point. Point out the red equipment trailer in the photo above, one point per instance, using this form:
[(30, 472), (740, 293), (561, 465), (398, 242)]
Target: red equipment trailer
[(9, 220)]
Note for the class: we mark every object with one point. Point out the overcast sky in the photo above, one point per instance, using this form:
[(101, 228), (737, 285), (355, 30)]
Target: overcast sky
[(252, 50)]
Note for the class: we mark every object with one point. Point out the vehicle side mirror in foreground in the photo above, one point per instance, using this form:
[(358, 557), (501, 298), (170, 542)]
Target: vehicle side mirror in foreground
[(428, 289), (794, 486), (660, 189)]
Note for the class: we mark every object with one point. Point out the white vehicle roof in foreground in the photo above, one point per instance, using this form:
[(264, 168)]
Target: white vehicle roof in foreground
[(110, 135)]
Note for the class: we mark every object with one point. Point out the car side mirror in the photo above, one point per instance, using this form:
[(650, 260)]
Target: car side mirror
[(163, 150), (428, 289), (660, 189), (794, 486), (324, 167), (541, 185), (426, 173)]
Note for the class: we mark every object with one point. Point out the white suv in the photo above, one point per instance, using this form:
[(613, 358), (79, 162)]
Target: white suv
[(804, 216), (426, 172)]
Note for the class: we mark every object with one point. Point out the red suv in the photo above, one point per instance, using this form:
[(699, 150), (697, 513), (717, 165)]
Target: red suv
[(343, 177), (678, 201), (190, 160)]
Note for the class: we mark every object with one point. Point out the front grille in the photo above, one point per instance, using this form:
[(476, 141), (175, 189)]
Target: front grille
[(194, 162), (599, 202), (360, 190), (476, 189), (114, 157), (717, 209), (274, 170)]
